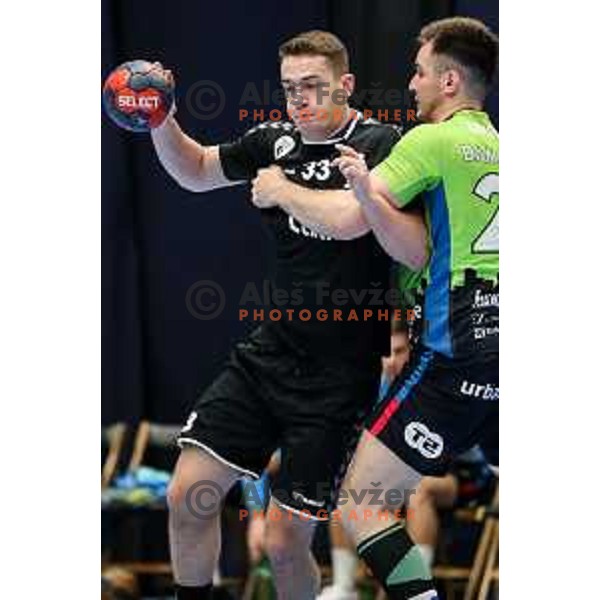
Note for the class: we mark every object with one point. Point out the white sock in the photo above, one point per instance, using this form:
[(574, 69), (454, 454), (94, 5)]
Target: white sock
[(427, 554), (343, 563), (431, 595), (216, 580)]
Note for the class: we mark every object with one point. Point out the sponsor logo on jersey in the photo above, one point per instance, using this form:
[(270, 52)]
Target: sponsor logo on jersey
[(428, 443), (478, 390), (480, 333), (484, 300), (474, 153), (283, 146), (305, 231)]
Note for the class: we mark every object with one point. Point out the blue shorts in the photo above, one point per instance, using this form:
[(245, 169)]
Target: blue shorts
[(439, 407)]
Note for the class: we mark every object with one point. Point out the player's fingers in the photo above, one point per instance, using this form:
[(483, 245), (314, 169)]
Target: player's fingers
[(345, 166), (166, 72), (351, 166), (342, 161), (347, 150), (353, 173), (349, 172), (351, 154)]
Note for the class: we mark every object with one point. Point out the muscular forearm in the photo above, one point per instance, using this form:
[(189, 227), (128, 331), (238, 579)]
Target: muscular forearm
[(339, 214), (194, 167), (401, 234), (335, 213), (179, 154)]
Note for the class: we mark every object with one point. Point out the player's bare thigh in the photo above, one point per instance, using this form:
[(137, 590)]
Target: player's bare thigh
[(375, 467)]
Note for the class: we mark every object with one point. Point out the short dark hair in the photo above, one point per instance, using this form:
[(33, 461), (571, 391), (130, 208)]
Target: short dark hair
[(318, 43), (399, 326), (468, 42)]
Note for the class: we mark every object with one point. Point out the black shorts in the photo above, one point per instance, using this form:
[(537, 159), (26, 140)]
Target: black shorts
[(269, 397), (437, 408)]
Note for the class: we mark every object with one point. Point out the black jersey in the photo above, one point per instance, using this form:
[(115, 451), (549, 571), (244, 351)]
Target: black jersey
[(310, 267)]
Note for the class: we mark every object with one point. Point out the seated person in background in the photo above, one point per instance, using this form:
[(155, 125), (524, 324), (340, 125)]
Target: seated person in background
[(119, 584), (469, 480), (255, 534)]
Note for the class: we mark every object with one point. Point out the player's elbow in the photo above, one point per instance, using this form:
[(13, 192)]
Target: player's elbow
[(415, 264), (418, 260), (413, 255), (190, 184), (185, 184), (415, 258)]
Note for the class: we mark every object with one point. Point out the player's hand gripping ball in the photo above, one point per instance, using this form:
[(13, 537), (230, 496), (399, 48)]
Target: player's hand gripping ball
[(138, 95)]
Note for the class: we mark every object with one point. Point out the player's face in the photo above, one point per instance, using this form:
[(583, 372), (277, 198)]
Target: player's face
[(426, 84), (400, 351), (316, 97), (394, 363)]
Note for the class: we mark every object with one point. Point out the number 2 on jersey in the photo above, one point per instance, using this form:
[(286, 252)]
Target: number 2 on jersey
[(488, 239)]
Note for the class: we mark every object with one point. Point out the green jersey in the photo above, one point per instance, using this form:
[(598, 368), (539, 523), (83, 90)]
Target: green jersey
[(454, 164), (409, 285)]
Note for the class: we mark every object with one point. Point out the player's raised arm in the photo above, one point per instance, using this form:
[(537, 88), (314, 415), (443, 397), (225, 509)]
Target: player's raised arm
[(201, 168), (194, 167)]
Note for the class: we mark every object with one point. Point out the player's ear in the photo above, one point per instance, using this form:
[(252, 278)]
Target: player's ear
[(450, 82), (348, 83)]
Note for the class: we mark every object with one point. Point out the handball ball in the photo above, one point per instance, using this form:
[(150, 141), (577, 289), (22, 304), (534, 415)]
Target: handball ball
[(138, 95)]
